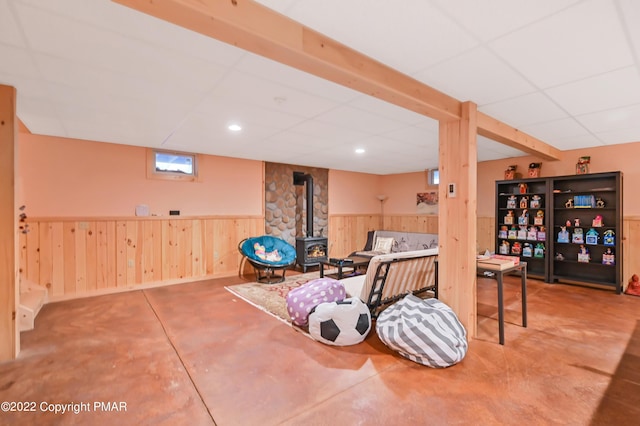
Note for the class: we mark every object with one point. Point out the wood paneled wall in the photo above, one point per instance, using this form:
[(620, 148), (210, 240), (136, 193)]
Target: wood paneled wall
[(348, 233), (80, 257), (75, 258)]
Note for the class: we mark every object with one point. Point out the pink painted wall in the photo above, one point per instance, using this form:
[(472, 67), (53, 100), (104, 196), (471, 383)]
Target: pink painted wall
[(75, 178), (621, 157), (62, 177), (353, 193), (402, 190)]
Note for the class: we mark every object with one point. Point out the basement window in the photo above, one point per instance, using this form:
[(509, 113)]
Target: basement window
[(172, 165)]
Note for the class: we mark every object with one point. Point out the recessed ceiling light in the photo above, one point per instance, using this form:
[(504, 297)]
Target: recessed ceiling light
[(235, 127), (359, 150)]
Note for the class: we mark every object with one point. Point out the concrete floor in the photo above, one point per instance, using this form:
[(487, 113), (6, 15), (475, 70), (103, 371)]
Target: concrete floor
[(193, 354)]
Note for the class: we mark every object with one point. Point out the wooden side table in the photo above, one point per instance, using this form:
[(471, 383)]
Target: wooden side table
[(522, 268)]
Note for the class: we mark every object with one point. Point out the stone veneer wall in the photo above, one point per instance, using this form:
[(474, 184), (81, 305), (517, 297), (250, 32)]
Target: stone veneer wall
[(285, 214)]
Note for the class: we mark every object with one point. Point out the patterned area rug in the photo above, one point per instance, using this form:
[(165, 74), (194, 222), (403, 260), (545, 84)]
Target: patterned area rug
[(271, 298)]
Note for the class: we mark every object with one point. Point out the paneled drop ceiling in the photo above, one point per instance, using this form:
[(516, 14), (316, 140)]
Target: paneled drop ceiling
[(564, 71)]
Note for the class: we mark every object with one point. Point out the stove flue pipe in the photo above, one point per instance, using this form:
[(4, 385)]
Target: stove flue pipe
[(300, 178)]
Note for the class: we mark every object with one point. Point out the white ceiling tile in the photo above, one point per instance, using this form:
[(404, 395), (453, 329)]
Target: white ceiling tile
[(348, 117), (490, 19), (116, 18), (241, 87), (605, 91), (398, 34), (551, 131), (16, 61), (329, 132), (415, 136), (9, 28), (611, 120), (630, 13), (620, 136), (531, 108), (578, 42), (284, 75), (476, 75), (575, 142), (101, 71), (388, 110)]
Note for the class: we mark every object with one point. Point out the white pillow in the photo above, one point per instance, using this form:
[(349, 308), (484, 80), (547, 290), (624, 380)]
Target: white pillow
[(383, 245)]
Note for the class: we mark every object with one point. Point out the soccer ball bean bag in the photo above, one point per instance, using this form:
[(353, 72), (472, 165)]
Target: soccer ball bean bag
[(425, 331), (302, 300), (340, 323)]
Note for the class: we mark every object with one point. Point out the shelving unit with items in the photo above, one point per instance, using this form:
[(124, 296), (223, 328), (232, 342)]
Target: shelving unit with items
[(522, 222), (586, 238)]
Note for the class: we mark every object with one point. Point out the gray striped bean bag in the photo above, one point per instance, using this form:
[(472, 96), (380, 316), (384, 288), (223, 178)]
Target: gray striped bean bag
[(425, 331)]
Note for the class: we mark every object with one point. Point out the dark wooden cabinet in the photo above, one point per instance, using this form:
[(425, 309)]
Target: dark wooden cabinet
[(522, 222), (577, 223), (587, 229)]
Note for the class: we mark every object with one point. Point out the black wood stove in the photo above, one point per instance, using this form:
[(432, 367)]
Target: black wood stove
[(310, 250)]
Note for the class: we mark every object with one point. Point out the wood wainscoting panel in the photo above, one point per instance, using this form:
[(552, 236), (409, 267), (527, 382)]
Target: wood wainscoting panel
[(75, 258), (348, 233)]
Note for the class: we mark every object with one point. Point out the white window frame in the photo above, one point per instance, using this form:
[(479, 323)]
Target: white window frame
[(154, 173)]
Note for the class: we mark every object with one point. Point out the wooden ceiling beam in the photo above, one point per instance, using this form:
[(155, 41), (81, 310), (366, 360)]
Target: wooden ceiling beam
[(496, 130), (258, 29), (253, 27)]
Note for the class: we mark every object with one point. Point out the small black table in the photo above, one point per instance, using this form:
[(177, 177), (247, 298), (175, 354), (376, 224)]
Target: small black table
[(356, 262), (522, 267)]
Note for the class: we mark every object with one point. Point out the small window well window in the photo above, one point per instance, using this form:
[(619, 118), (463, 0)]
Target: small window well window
[(434, 177), (172, 165)]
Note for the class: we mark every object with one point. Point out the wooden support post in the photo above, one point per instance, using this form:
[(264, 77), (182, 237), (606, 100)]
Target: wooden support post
[(457, 216), (9, 335)]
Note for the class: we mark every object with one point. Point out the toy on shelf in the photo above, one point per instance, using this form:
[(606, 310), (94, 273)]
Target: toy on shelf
[(502, 233), (597, 221), (513, 233), (510, 173), (592, 237), (582, 166), (524, 202), (576, 222), (527, 250), (600, 203), (569, 203), (535, 202), (504, 247), (608, 258), (534, 170), (568, 223), (511, 202), (523, 188), (538, 251), (539, 218), (542, 234), (563, 235), (516, 248), (559, 256), (578, 236), (522, 233), (508, 219), (524, 218), (532, 234), (583, 254), (609, 238)]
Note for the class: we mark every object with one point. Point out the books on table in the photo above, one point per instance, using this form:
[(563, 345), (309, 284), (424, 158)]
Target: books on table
[(496, 263)]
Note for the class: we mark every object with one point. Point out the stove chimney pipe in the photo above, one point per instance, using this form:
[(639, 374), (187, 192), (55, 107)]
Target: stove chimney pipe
[(300, 178)]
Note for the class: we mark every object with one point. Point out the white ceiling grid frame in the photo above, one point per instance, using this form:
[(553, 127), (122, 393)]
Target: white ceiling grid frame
[(548, 55), (403, 35)]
